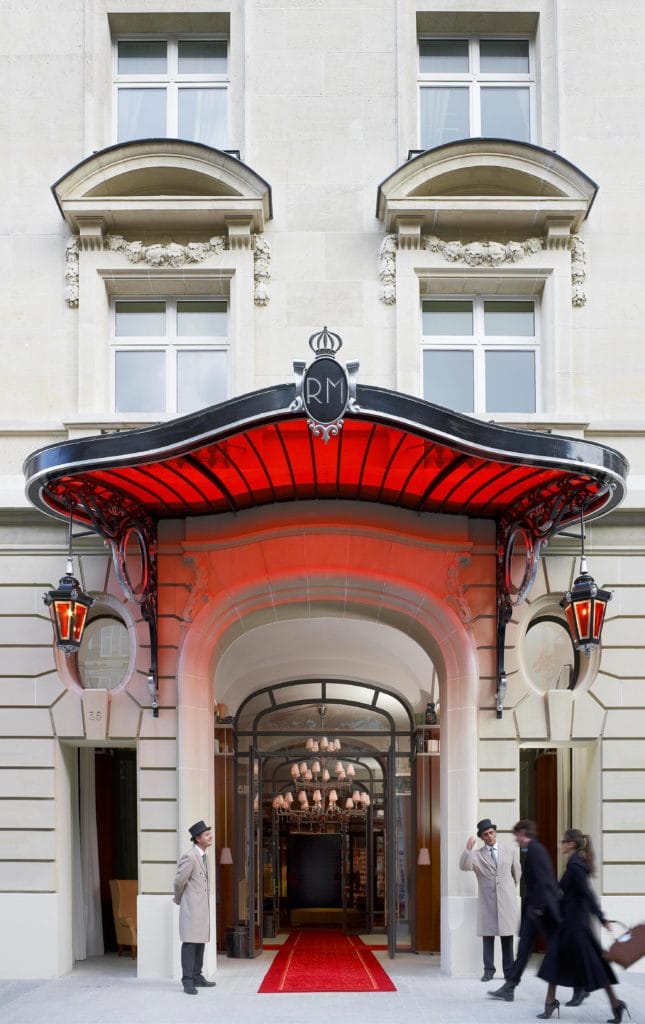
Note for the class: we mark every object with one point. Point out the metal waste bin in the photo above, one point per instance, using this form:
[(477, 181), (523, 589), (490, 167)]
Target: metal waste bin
[(268, 926), (237, 944)]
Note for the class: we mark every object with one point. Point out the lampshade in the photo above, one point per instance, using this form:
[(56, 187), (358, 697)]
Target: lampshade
[(226, 857), (424, 856)]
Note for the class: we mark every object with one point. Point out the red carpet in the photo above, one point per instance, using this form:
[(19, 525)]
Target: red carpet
[(325, 961)]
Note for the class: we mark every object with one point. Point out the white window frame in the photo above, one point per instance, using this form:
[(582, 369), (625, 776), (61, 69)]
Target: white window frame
[(474, 80), (480, 344), (171, 344), (172, 81)]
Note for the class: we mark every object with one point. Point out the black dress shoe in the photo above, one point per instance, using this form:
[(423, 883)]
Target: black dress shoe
[(506, 992), (488, 975), (190, 990), (202, 983), (579, 996)]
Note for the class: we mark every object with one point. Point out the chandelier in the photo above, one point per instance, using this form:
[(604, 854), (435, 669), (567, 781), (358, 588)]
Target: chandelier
[(323, 790)]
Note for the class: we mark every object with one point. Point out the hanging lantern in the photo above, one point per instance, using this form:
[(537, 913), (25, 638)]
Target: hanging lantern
[(585, 606), (68, 607)]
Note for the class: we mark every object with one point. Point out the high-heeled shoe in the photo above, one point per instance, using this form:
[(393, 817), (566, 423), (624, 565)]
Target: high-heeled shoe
[(578, 997), (619, 1009), (549, 1010)]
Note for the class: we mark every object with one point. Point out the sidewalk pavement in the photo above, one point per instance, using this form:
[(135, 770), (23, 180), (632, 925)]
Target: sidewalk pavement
[(106, 989)]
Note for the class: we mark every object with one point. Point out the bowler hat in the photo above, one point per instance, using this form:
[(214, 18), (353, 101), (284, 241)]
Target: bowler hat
[(197, 829), (484, 824)]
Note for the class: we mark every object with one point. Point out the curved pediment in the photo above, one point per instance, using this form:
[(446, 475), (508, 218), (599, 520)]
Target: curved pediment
[(161, 184), (486, 184)]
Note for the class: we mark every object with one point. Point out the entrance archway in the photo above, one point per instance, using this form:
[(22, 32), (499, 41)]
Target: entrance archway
[(324, 812), (267, 624)]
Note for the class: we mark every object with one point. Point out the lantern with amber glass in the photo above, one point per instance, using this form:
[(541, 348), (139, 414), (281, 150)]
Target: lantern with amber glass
[(585, 606), (68, 607)]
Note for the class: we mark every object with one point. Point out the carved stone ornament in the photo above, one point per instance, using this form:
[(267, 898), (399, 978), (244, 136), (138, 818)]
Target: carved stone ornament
[(261, 270), (71, 272), (387, 269), (578, 271), (482, 254), (198, 594), (170, 254), (456, 595)]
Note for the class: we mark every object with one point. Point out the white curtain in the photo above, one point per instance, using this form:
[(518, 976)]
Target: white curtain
[(86, 902)]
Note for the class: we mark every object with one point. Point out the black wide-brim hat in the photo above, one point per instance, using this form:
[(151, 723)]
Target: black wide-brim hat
[(197, 829), (484, 824)]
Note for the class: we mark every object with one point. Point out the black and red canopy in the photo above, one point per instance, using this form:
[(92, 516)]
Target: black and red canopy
[(394, 449)]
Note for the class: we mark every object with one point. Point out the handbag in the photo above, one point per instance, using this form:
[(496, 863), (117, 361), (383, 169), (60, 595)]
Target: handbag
[(628, 948)]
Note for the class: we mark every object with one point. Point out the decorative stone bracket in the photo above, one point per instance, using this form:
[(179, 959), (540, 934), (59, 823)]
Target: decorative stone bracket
[(172, 254)]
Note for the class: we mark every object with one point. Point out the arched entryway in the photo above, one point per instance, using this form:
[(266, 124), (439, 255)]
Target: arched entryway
[(323, 813), (388, 630)]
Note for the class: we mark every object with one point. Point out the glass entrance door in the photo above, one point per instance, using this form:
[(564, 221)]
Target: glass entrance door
[(323, 771)]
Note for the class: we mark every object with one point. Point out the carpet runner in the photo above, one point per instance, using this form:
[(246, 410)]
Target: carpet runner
[(325, 961)]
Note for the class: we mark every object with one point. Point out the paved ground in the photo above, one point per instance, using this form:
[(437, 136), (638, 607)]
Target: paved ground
[(106, 989)]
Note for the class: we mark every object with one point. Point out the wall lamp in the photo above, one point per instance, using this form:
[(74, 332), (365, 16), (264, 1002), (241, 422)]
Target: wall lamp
[(585, 604), (68, 606)]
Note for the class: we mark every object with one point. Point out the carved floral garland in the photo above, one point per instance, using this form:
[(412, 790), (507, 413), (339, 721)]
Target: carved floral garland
[(170, 254), (478, 254)]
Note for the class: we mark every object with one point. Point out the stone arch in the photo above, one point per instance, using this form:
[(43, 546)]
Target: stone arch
[(427, 620)]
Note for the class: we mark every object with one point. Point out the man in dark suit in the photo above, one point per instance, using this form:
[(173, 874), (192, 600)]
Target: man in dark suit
[(541, 903)]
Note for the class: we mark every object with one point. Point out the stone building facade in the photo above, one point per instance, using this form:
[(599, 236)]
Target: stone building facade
[(191, 191)]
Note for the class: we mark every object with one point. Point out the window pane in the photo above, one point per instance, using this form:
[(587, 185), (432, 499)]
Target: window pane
[(509, 319), (142, 57), (202, 56), (201, 319), (104, 654), (140, 319), (445, 317), (506, 114), (140, 384), (504, 56), (510, 382), (142, 114), (202, 116), (448, 56), (201, 379), (444, 115), (448, 379)]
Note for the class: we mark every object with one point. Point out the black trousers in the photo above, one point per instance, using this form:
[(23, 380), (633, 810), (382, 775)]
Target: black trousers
[(489, 953), (192, 961), (533, 924)]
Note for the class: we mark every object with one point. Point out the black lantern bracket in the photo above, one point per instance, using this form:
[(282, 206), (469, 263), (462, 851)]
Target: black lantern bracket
[(534, 525), (122, 528)]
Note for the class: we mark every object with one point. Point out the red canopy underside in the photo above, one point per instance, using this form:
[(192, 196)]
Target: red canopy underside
[(282, 462)]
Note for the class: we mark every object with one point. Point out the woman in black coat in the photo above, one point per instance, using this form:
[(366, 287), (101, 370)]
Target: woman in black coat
[(574, 955)]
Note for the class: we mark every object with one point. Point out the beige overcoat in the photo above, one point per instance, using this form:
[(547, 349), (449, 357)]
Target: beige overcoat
[(191, 893), (498, 905)]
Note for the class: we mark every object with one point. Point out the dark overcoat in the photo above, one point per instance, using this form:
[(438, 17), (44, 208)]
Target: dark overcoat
[(574, 955)]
